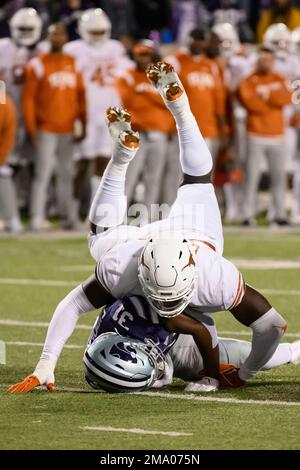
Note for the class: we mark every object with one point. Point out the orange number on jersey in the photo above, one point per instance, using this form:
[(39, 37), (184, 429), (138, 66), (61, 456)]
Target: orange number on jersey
[(103, 75)]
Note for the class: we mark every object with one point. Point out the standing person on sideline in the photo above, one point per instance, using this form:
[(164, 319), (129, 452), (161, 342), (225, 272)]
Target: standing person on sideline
[(264, 94), (8, 200), (204, 86), (53, 99)]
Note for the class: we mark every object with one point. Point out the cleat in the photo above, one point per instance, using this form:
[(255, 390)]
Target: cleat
[(173, 91), (119, 124), (130, 139), (165, 79), (117, 115), (118, 120), (295, 347)]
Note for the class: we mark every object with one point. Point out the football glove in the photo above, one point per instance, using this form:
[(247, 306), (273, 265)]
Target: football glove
[(229, 376), (43, 374), (167, 377), (206, 384)]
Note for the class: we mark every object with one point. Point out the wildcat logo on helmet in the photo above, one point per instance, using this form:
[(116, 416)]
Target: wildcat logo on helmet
[(119, 364)]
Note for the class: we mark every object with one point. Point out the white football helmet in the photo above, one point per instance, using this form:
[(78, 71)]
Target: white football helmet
[(278, 38), (295, 41), (26, 27), (96, 21), (230, 42), (167, 274)]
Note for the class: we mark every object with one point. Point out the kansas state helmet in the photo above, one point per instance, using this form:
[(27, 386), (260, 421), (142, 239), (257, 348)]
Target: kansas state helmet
[(230, 42), (116, 363), (26, 26), (167, 275), (278, 38), (94, 26)]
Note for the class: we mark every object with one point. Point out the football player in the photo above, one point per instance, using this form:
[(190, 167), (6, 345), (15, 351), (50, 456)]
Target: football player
[(129, 349), (101, 60), (15, 52), (176, 263)]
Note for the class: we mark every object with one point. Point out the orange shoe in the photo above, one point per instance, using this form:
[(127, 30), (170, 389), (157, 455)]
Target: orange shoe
[(163, 76), (119, 125), (130, 139)]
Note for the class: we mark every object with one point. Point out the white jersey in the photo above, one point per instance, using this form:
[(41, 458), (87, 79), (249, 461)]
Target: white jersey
[(99, 66), (13, 60), (219, 284)]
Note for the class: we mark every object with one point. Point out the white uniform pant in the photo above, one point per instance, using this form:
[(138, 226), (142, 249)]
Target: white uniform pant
[(148, 164), (274, 152), (195, 214), (54, 154)]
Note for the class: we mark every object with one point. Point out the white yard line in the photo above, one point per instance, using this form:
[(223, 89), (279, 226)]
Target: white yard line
[(38, 282), (9, 322), (180, 396), (241, 263), (25, 343), (36, 324), (219, 399), (135, 431), (265, 263), (59, 283), (78, 267)]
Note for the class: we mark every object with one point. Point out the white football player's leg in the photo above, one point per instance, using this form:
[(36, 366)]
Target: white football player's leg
[(109, 204), (286, 353), (195, 157)]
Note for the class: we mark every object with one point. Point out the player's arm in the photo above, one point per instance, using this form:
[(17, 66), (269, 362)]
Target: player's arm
[(203, 339), (83, 299), (267, 325)]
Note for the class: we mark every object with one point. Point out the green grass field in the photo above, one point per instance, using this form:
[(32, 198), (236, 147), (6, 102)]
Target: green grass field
[(263, 415)]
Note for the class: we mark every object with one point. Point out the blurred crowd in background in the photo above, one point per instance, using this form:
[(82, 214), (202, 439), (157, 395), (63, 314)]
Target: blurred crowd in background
[(63, 63)]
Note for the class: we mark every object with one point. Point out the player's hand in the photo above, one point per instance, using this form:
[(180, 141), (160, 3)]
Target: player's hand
[(206, 384), (43, 375), (229, 376), (167, 377)]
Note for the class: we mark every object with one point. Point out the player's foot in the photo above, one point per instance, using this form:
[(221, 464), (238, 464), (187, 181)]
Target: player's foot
[(206, 384), (166, 80), (295, 347), (119, 124)]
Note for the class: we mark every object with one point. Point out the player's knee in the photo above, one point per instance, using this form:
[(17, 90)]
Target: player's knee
[(271, 324), (188, 179)]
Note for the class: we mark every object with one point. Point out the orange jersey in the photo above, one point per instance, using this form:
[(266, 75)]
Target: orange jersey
[(144, 103), (53, 94), (8, 123), (264, 97), (203, 83)]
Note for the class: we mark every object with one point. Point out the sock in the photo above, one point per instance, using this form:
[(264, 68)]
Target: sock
[(109, 203), (63, 323), (195, 157), (95, 183), (282, 355), (267, 332)]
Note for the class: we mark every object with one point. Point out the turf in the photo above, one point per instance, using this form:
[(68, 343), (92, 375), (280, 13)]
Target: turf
[(42, 420)]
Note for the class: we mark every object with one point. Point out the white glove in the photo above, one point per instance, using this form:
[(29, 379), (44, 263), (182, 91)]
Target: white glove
[(167, 378), (206, 384), (43, 374), (44, 371)]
